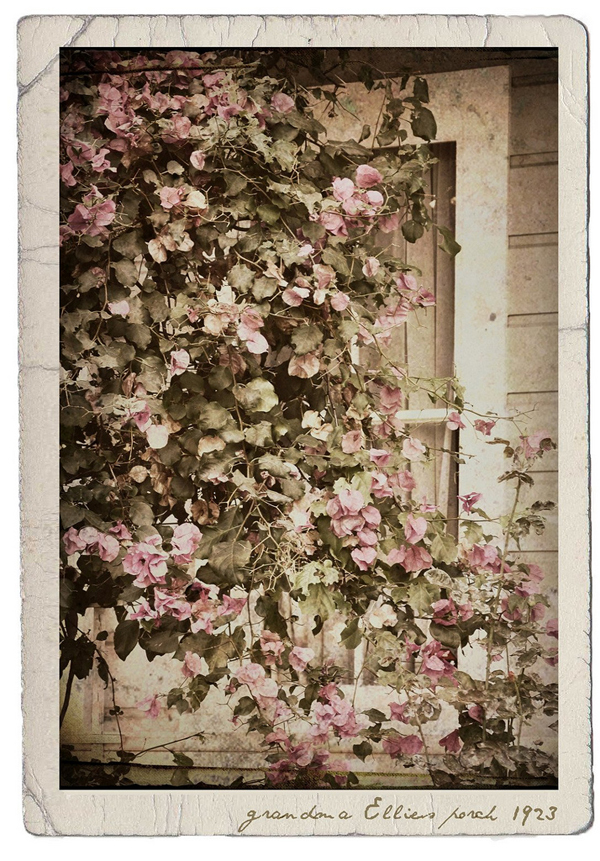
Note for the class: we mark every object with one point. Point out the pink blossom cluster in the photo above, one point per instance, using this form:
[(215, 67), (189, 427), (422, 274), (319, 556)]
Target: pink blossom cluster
[(396, 745), (306, 754), (446, 612), (333, 712), (89, 541), (148, 561), (350, 517), (355, 199)]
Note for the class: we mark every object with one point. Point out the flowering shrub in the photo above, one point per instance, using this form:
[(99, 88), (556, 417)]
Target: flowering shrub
[(233, 469)]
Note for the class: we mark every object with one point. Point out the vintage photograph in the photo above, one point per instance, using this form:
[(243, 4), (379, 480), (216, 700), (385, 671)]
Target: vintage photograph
[(309, 418)]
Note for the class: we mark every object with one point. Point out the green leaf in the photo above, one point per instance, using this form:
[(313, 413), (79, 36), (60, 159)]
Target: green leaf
[(162, 642), (412, 230), (362, 750), (443, 549), (318, 602), (351, 636), (213, 416), (421, 90), (182, 759), (448, 635), (306, 339), (258, 396), (240, 277), (424, 125), (448, 243), (260, 435), (264, 288), (245, 706), (126, 272), (228, 558), (140, 512), (268, 213), (375, 716), (126, 637), (130, 244), (335, 258), (285, 153), (421, 595)]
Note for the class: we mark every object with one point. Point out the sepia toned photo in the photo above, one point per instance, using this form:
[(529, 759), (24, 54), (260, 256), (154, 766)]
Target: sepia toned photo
[(308, 468), (304, 425)]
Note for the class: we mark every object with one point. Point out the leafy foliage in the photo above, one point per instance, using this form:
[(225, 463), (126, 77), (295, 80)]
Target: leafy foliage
[(226, 450)]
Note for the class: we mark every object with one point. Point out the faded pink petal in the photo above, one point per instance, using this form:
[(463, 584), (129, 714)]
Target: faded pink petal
[(367, 176)]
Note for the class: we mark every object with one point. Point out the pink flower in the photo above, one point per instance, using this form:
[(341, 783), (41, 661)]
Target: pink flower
[(352, 441), (343, 189), (325, 276), (364, 557), (197, 159), (405, 480), (390, 399), (250, 322), (484, 556), (73, 541), (380, 487), (451, 742), (141, 415), (413, 449), (484, 427), (454, 422), (272, 647), (552, 628), (405, 282), (121, 307), (282, 103), (66, 174), (402, 745), (333, 223), (194, 665), (336, 713), (379, 456), (469, 500), (157, 436), (371, 267), (150, 705), (444, 612), (411, 558), (476, 712), (232, 606), (389, 223), (147, 562), (92, 220), (435, 663), (551, 657), (250, 674), (300, 657), (397, 712), (108, 547), (295, 296), (170, 197), (339, 301), (180, 360), (304, 366), (532, 443), (184, 542), (144, 611), (121, 531), (415, 528), (367, 176)]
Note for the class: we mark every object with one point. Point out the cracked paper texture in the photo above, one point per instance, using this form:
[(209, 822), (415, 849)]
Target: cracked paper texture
[(50, 811)]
